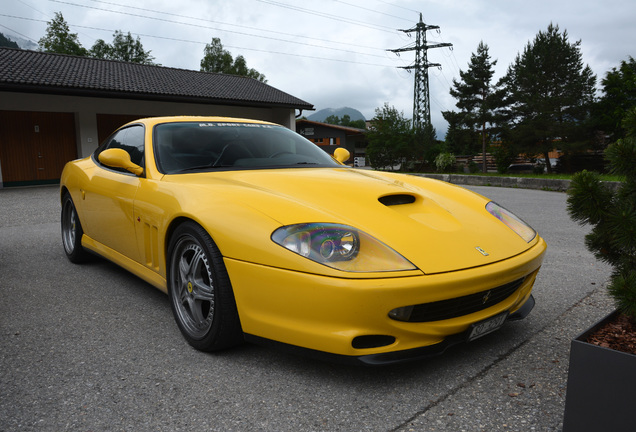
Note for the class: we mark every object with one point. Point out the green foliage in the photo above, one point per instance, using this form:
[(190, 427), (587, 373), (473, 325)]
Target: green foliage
[(623, 289), (444, 162), (549, 93), (460, 138), (619, 95), (123, 48), (5, 42), (216, 59), (612, 216), (426, 147), (346, 121), (59, 39), (504, 155), (476, 100), (390, 138)]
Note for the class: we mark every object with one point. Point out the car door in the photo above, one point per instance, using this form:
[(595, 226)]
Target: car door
[(110, 194)]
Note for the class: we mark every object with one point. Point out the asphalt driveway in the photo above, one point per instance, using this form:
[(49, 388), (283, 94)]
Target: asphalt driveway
[(93, 348)]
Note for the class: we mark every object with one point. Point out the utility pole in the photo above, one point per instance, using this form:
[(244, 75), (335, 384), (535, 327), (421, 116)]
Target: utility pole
[(421, 94)]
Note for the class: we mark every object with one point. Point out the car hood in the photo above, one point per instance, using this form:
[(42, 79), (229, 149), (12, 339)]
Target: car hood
[(437, 226)]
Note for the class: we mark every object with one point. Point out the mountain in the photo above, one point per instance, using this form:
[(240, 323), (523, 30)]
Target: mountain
[(322, 114), (4, 42), (22, 43)]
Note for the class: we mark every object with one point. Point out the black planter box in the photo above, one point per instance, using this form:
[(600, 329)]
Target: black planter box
[(601, 392)]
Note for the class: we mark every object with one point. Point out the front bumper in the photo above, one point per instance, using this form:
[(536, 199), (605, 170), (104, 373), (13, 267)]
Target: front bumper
[(328, 315), (387, 358)]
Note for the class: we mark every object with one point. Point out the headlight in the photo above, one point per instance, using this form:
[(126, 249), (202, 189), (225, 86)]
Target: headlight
[(341, 247), (513, 222)]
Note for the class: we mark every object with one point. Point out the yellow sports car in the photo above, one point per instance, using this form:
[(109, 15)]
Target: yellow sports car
[(256, 234)]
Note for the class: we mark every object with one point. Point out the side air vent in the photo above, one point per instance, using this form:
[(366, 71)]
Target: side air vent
[(391, 200)]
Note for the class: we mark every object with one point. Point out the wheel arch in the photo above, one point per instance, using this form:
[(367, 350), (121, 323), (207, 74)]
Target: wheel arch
[(63, 191), (170, 229)]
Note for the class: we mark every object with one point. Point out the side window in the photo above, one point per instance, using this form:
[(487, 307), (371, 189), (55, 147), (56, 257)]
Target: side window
[(130, 139)]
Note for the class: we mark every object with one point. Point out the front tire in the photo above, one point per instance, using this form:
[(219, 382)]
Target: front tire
[(72, 232), (200, 292)]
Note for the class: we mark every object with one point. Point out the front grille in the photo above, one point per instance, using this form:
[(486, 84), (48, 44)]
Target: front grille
[(452, 308)]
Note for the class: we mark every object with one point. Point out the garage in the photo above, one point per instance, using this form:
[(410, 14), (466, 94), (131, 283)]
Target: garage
[(34, 146), (55, 107)]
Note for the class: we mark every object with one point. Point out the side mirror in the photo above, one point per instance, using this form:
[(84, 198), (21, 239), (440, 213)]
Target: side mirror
[(341, 155), (119, 158)]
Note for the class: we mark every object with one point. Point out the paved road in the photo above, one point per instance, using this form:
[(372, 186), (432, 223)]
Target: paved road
[(92, 348)]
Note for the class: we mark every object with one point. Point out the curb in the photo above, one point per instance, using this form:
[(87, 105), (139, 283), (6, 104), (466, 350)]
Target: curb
[(509, 182)]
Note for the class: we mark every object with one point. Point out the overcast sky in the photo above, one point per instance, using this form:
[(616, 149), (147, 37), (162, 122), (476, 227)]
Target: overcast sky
[(333, 53)]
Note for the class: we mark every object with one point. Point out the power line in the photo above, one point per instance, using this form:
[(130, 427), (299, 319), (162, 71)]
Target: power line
[(221, 23), (398, 6), (203, 43), (370, 10), (213, 28), (18, 33), (328, 16)]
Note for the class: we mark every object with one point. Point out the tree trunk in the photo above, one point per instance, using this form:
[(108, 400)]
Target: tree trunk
[(548, 165), (483, 147)]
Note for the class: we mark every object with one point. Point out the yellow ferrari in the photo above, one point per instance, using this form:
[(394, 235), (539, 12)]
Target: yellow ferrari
[(256, 234)]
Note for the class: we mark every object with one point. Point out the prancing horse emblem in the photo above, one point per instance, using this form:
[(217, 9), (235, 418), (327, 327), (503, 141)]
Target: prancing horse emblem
[(485, 298), (481, 251)]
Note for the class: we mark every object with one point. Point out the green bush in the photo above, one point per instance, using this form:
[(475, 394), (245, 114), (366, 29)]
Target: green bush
[(444, 162), (612, 216)]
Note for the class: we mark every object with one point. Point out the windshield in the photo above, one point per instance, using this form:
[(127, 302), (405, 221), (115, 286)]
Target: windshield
[(198, 146)]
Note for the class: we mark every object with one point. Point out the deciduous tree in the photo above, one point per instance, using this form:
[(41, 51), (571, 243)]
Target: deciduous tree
[(345, 120), (123, 48), (219, 60), (59, 39), (390, 138)]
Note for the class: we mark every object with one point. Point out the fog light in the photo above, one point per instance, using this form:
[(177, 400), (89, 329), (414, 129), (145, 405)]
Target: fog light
[(402, 313)]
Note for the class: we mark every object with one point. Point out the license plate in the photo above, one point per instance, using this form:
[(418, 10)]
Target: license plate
[(486, 326)]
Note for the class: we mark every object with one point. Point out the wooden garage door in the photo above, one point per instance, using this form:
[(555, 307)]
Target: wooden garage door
[(34, 146)]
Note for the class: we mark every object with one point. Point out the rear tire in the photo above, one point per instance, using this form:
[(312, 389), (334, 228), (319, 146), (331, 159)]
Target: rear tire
[(200, 292), (72, 232)]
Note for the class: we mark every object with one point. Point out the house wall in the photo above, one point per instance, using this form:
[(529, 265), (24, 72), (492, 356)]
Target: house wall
[(329, 138), (87, 109)]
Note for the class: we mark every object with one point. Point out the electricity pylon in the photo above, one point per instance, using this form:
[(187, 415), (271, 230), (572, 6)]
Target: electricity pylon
[(421, 94)]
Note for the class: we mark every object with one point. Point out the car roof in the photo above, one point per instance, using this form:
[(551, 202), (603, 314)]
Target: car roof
[(152, 121)]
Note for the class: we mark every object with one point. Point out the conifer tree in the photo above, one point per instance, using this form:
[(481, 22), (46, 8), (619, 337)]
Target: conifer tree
[(551, 93), (474, 94), (612, 216), (619, 95)]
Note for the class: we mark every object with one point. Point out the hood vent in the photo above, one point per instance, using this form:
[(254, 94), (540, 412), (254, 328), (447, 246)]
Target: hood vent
[(391, 200)]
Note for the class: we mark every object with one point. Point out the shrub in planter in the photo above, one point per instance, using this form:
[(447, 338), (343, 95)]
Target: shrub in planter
[(612, 216), (602, 381)]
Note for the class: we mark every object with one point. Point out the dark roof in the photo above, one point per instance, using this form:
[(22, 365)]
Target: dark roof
[(347, 129), (39, 72)]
